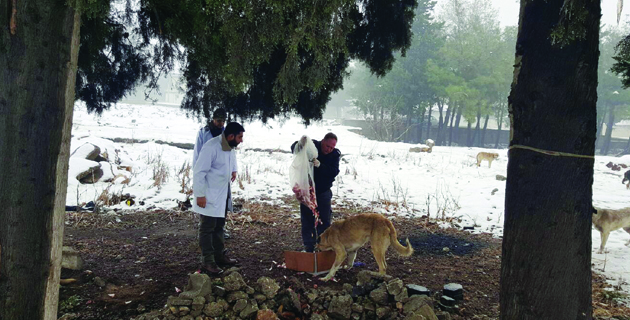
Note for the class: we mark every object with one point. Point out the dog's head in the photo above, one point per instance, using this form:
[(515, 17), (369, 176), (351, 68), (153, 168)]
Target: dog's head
[(495, 155), (325, 243)]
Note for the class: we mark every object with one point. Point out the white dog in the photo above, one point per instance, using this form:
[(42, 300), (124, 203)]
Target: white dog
[(606, 220)]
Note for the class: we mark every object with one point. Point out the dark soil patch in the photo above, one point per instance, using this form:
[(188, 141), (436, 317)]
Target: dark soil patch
[(143, 257), (444, 244)]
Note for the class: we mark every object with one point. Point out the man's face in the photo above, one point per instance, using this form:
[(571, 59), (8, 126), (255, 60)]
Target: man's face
[(328, 145), (234, 140), (218, 122)]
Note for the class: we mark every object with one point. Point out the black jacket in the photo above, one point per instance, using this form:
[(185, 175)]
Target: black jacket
[(328, 167)]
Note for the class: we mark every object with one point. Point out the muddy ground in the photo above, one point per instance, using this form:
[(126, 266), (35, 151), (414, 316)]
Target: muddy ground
[(144, 257)]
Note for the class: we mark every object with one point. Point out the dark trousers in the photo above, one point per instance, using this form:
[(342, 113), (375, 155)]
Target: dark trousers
[(211, 238), (309, 236)]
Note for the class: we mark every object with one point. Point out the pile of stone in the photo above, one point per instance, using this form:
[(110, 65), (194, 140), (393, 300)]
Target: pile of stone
[(374, 296), (616, 166), (90, 163)]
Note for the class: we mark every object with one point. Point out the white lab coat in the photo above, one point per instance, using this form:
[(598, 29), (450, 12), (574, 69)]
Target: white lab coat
[(212, 175)]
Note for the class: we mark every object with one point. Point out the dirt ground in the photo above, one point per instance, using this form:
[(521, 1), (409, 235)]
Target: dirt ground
[(144, 257)]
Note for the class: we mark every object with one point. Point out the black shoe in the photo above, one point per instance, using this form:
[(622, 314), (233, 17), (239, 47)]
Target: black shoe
[(211, 269), (224, 261)]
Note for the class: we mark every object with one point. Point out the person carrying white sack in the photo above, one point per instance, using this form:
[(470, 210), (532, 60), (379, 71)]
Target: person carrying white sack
[(324, 164)]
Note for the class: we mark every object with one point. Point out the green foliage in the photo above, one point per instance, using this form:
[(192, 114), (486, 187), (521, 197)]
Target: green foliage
[(254, 58), (69, 304)]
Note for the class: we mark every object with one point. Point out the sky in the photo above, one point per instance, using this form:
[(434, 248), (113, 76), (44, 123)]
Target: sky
[(381, 177), (508, 11)]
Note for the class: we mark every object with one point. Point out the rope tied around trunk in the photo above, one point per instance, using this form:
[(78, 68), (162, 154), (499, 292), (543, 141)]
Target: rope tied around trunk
[(551, 153)]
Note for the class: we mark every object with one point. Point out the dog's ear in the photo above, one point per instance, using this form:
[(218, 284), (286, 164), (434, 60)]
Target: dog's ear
[(594, 210)]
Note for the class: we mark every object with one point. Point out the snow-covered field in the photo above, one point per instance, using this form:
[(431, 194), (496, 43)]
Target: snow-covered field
[(383, 176)]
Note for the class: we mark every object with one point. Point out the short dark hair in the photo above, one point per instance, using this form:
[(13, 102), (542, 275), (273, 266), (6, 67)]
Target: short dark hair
[(330, 135), (233, 128), (219, 114)]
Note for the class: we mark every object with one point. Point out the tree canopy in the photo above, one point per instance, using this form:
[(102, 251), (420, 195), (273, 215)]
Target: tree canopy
[(256, 59)]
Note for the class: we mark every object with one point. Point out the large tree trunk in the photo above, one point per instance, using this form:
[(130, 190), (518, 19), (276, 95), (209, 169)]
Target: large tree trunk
[(469, 135), (442, 132), (609, 129), (477, 128), (38, 60), (483, 133), (546, 259)]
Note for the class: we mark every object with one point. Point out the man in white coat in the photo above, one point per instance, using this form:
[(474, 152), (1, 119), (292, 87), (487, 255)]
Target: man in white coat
[(213, 172)]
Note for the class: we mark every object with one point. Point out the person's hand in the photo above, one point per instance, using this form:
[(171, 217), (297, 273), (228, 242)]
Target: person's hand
[(316, 163), (233, 176), (201, 202)]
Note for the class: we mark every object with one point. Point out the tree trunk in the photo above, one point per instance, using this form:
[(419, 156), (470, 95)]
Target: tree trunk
[(420, 126), (476, 133), (457, 119), (469, 135), (483, 133), (546, 257), (440, 122), (496, 143), (609, 129), (442, 132), (450, 132), (38, 61), (429, 122)]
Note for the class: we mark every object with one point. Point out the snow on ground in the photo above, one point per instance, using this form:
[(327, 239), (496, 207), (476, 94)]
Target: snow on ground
[(382, 176)]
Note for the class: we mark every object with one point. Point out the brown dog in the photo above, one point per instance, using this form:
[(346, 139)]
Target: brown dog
[(346, 236), (606, 220)]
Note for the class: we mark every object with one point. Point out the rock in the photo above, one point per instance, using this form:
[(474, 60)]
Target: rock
[(454, 290), (198, 303), (236, 295), (290, 300), (414, 303), (239, 305), (501, 177), (414, 289), (355, 316), (219, 291), (213, 309), (395, 286), (495, 190), (444, 316), (268, 287), (311, 296), (364, 277), (317, 316), (266, 315), (447, 301), (70, 259), (382, 312), (340, 307), (347, 288), (402, 296), (357, 308), (260, 297), (99, 282), (184, 311), (69, 316), (178, 301), (233, 282), (92, 173), (358, 291), (249, 290), (250, 309), (380, 295), (199, 285), (87, 151), (425, 312), (188, 317)]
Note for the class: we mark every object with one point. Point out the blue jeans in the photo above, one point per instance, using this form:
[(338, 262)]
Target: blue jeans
[(310, 236)]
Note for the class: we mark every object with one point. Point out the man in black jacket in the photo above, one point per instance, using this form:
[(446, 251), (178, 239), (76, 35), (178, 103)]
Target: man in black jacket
[(325, 171)]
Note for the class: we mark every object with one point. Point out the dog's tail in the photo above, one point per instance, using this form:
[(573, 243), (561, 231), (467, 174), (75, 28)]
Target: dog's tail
[(393, 237)]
